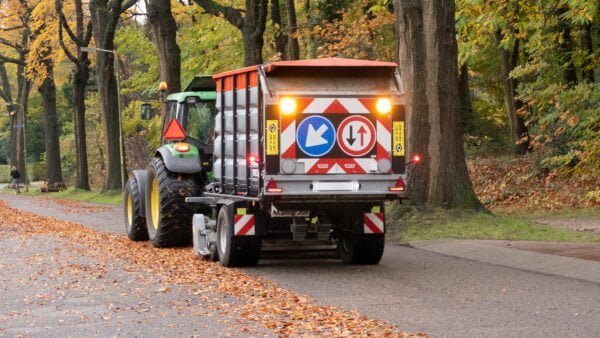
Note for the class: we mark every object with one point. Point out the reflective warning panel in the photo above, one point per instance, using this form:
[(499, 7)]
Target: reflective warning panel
[(356, 135), (315, 136), (174, 131)]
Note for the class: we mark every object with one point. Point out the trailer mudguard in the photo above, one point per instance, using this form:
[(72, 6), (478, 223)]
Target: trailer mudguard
[(188, 163), (141, 176)]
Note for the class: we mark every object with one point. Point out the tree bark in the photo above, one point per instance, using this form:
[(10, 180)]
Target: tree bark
[(80, 78), (281, 39), (51, 133), (588, 47), (81, 72), (519, 133), (464, 96), (164, 36), (294, 47), (429, 69), (105, 17)]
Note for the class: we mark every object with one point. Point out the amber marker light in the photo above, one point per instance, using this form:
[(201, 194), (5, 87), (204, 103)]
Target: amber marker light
[(384, 105), (182, 147), (287, 106), (163, 86)]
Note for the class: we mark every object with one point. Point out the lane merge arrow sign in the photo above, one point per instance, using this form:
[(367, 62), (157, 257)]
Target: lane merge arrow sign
[(315, 136)]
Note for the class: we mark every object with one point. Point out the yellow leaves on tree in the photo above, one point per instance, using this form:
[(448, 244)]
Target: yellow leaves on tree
[(44, 49)]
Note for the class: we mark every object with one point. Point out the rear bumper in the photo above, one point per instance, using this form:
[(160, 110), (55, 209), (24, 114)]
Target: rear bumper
[(335, 186)]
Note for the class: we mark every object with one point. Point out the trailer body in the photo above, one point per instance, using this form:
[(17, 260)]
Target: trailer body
[(305, 151)]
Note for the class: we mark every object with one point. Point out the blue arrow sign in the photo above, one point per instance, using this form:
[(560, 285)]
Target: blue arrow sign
[(17, 126), (315, 136)]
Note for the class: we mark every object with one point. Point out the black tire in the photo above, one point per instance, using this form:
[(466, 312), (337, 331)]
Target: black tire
[(361, 249), (168, 217), (232, 250), (135, 219)]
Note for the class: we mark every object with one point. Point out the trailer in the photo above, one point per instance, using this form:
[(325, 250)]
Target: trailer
[(305, 153)]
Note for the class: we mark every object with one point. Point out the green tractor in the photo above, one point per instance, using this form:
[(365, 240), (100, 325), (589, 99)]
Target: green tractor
[(154, 198)]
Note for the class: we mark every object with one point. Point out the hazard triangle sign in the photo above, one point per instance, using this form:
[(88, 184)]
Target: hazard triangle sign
[(174, 131)]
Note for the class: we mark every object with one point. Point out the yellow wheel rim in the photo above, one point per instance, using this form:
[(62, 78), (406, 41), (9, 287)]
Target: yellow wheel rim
[(155, 202), (130, 210)]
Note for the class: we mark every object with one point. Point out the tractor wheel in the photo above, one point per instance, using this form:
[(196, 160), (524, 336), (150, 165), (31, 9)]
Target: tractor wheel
[(235, 250), (135, 220), (361, 249), (168, 217)]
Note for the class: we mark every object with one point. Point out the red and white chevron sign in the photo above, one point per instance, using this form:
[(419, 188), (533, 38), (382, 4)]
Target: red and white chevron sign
[(243, 225), (356, 162), (374, 223)]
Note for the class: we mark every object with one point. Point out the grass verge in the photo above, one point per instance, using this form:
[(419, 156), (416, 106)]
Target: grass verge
[(113, 197), (405, 224)]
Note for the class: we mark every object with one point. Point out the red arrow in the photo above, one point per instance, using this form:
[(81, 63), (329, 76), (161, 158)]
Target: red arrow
[(362, 132)]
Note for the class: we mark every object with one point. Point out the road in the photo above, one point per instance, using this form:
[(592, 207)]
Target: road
[(442, 289)]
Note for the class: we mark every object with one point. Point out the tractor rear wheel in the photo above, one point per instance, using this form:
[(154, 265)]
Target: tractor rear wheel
[(235, 250), (361, 249), (168, 216), (135, 220)]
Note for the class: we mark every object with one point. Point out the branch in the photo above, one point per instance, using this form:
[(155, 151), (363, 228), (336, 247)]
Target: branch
[(88, 34), (11, 60), (14, 45), (127, 4), (233, 15), (63, 23), (63, 46), (13, 28)]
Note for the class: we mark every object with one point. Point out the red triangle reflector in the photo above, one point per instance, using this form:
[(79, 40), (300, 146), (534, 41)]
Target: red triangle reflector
[(174, 131)]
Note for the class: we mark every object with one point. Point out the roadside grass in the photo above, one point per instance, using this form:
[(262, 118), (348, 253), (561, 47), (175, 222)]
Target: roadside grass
[(113, 197), (406, 224)]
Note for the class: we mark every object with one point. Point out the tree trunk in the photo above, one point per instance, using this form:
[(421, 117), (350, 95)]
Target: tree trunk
[(253, 30), (19, 159), (281, 39), (464, 96), (293, 30), (51, 133), (588, 47), (80, 78), (312, 42), (164, 35), (518, 130), (105, 16), (411, 51), (429, 69)]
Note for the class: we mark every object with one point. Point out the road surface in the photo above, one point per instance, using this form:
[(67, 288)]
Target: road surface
[(462, 288)]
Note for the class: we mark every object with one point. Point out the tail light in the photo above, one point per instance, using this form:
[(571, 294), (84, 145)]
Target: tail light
[(272, 187), (182, 147), (399, 186)]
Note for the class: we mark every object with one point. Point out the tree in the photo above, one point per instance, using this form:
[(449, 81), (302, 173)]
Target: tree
[(105, 17), (281, 39), (428, 59), (164, 36), (251, 24), (80, 37), (294, 47), (40, 69), (16, 37)]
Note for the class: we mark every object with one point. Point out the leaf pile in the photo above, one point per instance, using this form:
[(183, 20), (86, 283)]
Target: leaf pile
[(75, 207), (520, 182), (262, 301)]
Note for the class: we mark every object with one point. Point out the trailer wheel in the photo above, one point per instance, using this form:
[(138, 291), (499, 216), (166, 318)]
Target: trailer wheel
[(135, 221), (233, 250), (361, 249), (168, 217)]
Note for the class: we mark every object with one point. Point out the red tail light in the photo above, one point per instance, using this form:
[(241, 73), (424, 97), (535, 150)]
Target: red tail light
[(416, 158), (252, 159), (272, 187), (399, 186)]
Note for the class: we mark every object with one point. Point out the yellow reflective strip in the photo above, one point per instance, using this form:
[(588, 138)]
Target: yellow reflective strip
[(376, 209), (241, 211), (272, 137), (398, 134)]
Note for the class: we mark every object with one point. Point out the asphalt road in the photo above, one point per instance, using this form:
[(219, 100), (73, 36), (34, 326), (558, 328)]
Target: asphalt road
[(417, 289)]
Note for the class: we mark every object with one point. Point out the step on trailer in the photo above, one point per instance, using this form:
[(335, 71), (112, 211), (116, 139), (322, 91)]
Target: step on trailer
[(305, 154)]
